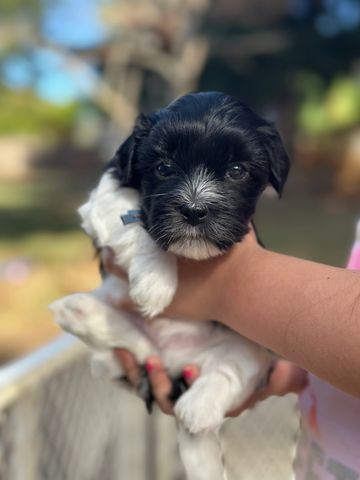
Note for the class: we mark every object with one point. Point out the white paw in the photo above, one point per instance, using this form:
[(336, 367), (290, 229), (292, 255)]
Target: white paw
[(152, 294), (72, 312), (100, 326), (88, 318), (199, 410), (152, 276)]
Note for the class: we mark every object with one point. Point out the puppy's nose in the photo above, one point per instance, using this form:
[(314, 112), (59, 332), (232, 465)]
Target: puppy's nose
[(194, 214)]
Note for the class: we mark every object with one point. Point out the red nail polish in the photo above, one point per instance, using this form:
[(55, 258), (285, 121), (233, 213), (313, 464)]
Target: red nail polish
[(149, 367), (187, 373)]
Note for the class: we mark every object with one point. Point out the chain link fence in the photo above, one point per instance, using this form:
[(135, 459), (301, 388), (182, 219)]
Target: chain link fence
[(58, 423)]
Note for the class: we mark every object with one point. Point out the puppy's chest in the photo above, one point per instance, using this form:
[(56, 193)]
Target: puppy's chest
[(183, 338)]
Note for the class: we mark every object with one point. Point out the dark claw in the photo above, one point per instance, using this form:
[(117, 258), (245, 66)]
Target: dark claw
[(121, 380), (179, 386), (144, 389)]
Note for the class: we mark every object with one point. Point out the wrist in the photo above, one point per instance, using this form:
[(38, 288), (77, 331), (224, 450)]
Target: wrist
[(237, 284)]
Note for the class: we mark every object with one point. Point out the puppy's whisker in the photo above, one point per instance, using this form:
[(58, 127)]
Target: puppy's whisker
[(155, 195)]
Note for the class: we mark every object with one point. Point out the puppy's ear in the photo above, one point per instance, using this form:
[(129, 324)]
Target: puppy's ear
[(278, 159), (125, 156)]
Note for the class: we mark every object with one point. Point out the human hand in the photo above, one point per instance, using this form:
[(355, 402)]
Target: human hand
[(201, 284), (285, 378), (198, 292)]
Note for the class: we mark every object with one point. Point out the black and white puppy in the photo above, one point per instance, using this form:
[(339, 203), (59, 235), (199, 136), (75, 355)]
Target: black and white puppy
[(194, 171)]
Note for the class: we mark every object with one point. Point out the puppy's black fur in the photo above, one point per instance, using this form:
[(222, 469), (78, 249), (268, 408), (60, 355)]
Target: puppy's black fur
[(201, 164)]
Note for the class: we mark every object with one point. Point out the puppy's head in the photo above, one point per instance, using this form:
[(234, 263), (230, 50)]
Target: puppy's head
[(200, 165)]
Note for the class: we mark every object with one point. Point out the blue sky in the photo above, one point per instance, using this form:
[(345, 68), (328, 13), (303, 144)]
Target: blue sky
[(71, 23), (74, 23), (77, 23)]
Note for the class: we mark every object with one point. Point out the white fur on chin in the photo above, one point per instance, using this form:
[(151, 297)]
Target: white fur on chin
[(195, 249)]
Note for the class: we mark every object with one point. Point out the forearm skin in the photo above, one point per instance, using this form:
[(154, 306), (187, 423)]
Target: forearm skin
[(308, 313)]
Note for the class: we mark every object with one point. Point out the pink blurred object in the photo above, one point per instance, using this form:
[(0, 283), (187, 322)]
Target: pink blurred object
[(354, 260), (15, 271)]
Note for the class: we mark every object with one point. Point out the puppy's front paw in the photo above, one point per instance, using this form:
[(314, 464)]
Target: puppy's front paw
[(72, 312), (199, 409), (153, 282), (152, 295), (100, 326)]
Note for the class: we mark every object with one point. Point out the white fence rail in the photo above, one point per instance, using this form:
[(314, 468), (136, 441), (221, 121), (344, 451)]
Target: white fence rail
[(58, 423)]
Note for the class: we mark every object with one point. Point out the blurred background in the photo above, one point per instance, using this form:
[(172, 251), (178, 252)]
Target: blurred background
[(75, 73)]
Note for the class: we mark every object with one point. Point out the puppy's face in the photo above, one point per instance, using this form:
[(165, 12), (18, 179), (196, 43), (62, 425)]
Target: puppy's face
[(200, 165)]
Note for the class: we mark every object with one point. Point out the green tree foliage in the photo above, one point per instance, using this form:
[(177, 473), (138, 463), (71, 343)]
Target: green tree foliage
[(14, 6), (24, 112), (328, 109)]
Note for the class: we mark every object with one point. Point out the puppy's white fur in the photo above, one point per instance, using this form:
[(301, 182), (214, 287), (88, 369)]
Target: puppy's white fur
[(195, 249), (231, 366)]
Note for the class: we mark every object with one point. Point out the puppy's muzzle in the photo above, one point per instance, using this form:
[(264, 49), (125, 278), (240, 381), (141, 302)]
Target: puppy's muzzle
[(194, 213)]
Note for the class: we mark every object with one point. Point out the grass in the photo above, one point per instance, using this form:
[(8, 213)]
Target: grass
[(39, 224)]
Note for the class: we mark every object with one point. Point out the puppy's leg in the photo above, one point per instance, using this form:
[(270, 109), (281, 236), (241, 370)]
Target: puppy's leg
[(201, 455), (203, 407), (101, 326), (152, 277)]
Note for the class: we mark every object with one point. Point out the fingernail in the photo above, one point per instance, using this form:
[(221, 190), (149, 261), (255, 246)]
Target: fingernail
[(188, 373), (149, 367), (152, 364)]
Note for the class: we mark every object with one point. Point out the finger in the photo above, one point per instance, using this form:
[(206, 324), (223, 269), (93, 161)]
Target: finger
[(250, 403), (129, 364), (299, 380), (160, 383), (303, 382), (286, 378), (108, 260), (190, 374)]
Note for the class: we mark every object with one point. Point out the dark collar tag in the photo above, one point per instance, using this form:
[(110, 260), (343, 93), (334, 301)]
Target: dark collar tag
[(132, 216)]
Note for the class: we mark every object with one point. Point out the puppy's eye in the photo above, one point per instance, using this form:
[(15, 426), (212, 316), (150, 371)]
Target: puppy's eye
[(237, 172), (165, 169)]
